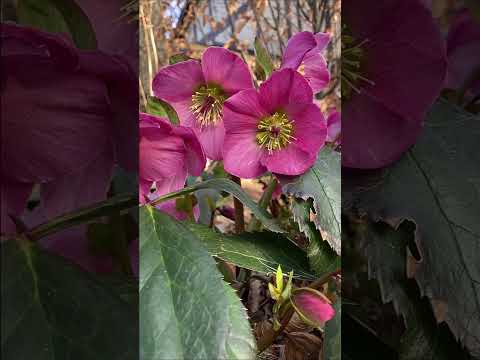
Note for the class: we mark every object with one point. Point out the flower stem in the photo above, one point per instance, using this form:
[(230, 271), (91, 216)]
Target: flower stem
[(317, 284), (269, 337), (263, 203), (239, 218), (83, 215)]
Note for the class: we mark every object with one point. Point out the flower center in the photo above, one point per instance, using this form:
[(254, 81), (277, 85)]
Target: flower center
[(353, 55), (274, 132), (207, 104)]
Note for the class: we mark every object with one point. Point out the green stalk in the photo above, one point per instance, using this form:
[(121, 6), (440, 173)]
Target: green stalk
[(263, 203), (83, 215)]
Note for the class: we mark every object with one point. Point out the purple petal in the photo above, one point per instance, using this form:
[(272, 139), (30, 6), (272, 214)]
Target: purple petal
[(13, 201), (115, 35), (297, 47), (174, 182), (185, 115), (143, 190), (23, 41), (178, 82), (242, 155), (310, 128), (122, 83), (225, 68), (151, 121), (373, 136), (194, 156), (160, 155), (243, 111), (291, 160), (73, 245), (284, 87), (82, 188), (166, 149), (53, 120), (313, 305), (334, 126), (211, 138), (316, 71), (405, 53), (322, 39)]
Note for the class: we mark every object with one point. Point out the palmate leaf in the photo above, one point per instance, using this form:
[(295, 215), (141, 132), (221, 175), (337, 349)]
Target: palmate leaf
[(58, 16), (186, 310), (436, 185), (260, 251), (322, 184), (53, 310)]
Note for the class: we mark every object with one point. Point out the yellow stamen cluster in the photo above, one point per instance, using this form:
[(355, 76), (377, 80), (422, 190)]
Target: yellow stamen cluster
[(352, 57), (275, 132), (207, 105)]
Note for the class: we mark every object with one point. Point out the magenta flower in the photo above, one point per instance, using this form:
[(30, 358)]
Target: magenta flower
[(168, 154), (277, 129), (393, 68), (197, 91), (305, 48), (115, 32), (334, 127), (312, 306), (463, 50), (68, 146)]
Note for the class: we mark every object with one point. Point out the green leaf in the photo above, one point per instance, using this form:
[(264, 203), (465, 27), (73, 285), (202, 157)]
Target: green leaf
[(53, 310), (321, 256), (161, 108), (261, 251), (126, 287), (436, 186), (263, 57), (230, 187), (332, 347), (176, 58), (386, 251), (207, 199), (186, 310), (58, 16), (322, 184)]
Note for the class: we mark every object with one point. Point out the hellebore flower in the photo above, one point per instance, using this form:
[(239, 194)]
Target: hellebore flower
[(463, 51), (197, 91), (278, 129), (304, 48), (116, 34), (168, 154), (312, 306), (393, 68), (58, 126), (334, 126)]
